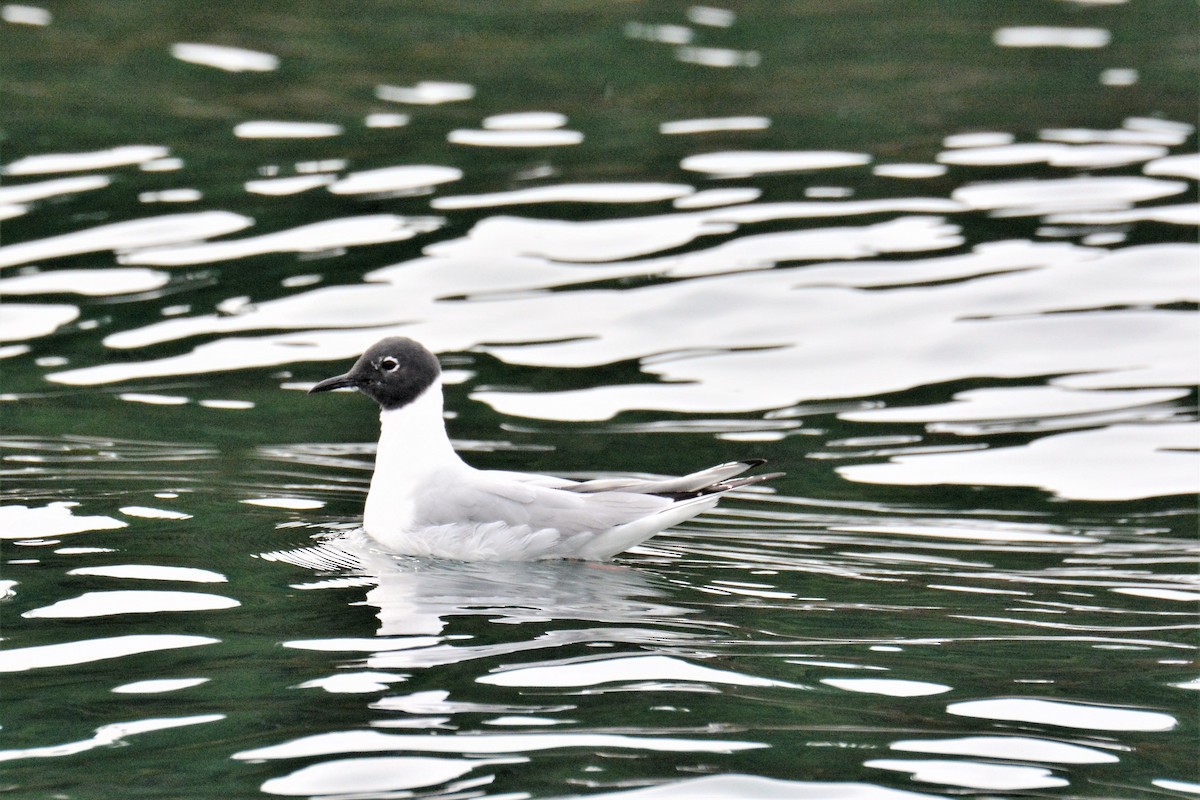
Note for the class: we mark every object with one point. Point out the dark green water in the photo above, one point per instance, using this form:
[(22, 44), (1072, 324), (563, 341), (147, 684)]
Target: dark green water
[(952, 294)]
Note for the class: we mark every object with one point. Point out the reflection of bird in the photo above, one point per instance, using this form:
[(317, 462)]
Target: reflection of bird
[(425, 500)]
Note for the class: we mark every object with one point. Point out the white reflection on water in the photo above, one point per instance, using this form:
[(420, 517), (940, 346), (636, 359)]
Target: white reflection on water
[(80, 162), (1065, 714), (972, 774), (688, 126), (1030, 197), (525, 121), (91, 282), (514, 138), (128, 235), (1012, 748), (426, 93), (159, 685), (86, 651), (283, 129), (54, 519), (29, 192), (1054, 154), (1047, 36), (230, 59), (1154, 460), (312, 238), (109, 735), (568, 193), (755, 787), (362, 776), (758, 162), (891, 687), (152, 572), (131, 601), (17, 14), (22, 321), (400, 179), (483, 744), (594, 671)]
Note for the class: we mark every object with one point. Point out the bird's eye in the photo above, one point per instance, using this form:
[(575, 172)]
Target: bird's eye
[(389, 364)]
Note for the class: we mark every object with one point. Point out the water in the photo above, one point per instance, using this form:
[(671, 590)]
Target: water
[(936, 261)]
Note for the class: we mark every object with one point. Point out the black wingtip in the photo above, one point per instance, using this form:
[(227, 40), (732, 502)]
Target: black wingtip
[(751, 463)]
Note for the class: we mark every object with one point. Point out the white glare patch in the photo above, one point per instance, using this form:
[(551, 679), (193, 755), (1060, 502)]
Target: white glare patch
[(55, 519), (161, 165), (978, 139), (29, 192), (1174, 595), (720, 57), (1119, 77), (354, 682), (386, 120), (147, 232), (712, 198), (108, 736), (1046, 36), (1056, 154), (1183, 166), (159, 685), (636, 668), (293, 503), (426, 93), (713, 17), (277, 187), (145, 512), (515, 138), (88, 651), (151, 572), (230, 59), (750, 162), (1064, 714), (525, 121), (25, 15), (90, 282), (1177, 786), (911, 171), (972, 774), (227, 405), (690, 126), (1035, 197), (313, 238), (153, 399), (171, 196), (569, 193), (667, 34), (1011, 748), (22, 321), (364, 741), (269, 129), (395, 179), (79, 162), (1120, 462), (131, 601), (385, 776), (891, 687)]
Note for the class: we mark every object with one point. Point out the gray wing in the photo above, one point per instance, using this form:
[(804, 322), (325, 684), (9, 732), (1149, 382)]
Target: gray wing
[(496, 497), (713, 479)]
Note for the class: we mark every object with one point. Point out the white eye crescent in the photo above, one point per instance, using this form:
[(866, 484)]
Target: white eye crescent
[(389, 364)]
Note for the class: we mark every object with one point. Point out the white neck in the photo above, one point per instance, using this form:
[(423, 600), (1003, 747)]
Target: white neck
[(412, 445), (412, 439)]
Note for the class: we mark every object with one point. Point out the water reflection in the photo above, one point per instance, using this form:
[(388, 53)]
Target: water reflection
[(636, 261)]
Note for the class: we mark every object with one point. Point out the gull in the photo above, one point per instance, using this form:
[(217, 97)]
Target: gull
[(425, 500)]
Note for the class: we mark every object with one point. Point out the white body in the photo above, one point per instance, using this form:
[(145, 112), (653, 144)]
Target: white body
[(425, 500)]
